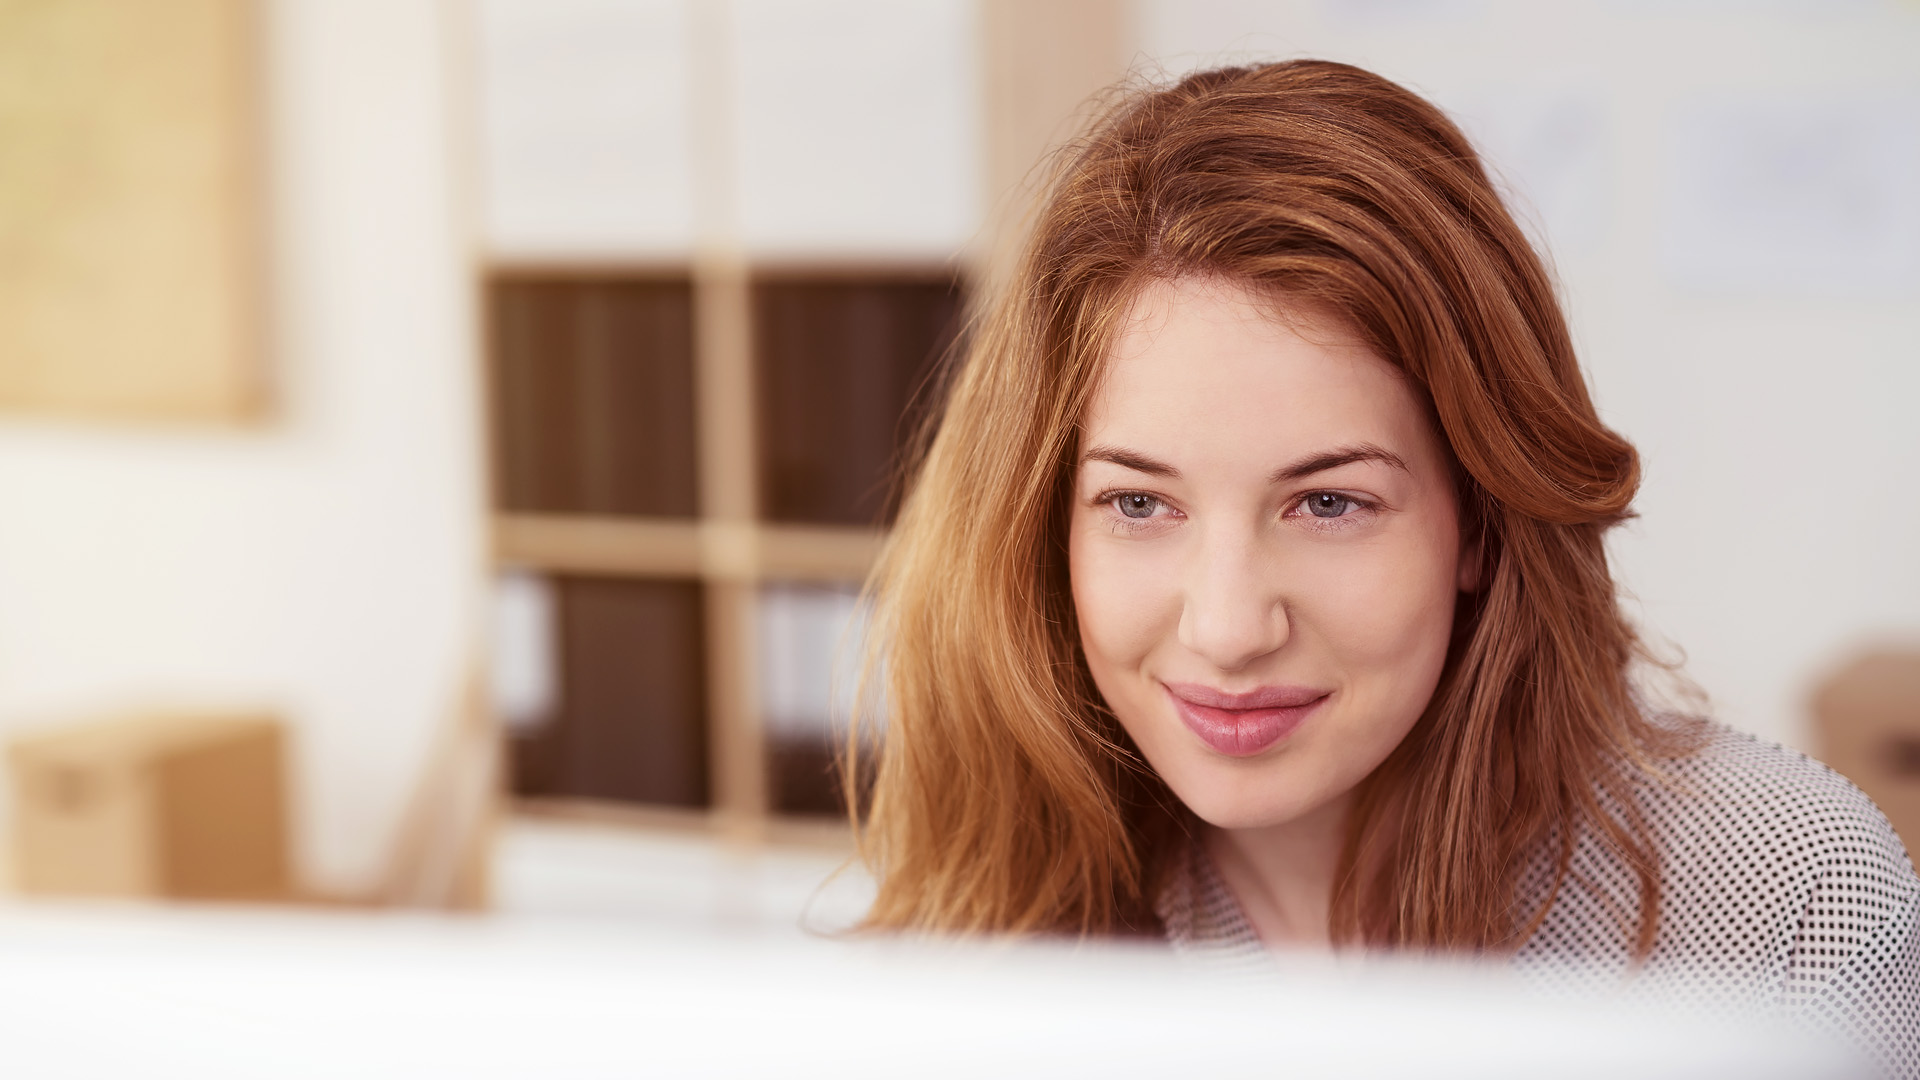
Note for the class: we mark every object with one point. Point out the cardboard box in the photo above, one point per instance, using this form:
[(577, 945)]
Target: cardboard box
[(176, 806), (1868, 720)]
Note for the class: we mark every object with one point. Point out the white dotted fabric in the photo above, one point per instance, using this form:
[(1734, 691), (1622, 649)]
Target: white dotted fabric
[(1784, 890)]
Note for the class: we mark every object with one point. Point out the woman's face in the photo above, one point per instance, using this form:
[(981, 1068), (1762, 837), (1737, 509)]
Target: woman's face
[(1265, 551)]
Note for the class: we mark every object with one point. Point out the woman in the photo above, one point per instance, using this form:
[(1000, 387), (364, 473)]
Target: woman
[(1251, 591)]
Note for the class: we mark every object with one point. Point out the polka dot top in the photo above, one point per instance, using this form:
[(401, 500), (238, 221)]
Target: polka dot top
[(1784, 889)]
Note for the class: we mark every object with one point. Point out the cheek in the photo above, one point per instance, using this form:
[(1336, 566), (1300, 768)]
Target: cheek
[(1121, 599), (1389, 617)]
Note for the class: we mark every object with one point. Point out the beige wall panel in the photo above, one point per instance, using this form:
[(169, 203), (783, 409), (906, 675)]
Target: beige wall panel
[(129, 284), (1045, 68)]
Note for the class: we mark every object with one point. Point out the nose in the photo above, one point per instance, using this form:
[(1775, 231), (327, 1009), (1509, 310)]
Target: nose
[(1235, 609)]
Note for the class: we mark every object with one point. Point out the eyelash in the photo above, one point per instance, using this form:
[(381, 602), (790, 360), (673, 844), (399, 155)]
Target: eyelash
[(1119, 520)]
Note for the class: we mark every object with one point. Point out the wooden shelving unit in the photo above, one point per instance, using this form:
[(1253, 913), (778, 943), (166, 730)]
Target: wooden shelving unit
[(673, 437), (678, 427)]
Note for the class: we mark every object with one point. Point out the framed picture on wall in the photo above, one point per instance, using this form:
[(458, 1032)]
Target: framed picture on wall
[(130, 224)]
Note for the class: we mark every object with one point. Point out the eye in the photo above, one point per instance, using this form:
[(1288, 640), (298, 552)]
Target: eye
[(1329, 504), (1134, 504)]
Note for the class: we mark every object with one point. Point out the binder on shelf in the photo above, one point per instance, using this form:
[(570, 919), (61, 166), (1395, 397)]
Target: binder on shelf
[(810, 638), (593, 394), (804, 778), (630, 722), (838, 361)]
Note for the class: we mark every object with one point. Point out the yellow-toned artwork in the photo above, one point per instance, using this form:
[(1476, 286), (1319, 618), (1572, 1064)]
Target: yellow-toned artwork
[(129, 235)]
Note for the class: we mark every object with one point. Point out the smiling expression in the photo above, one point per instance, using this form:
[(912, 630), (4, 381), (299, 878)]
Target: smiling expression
[(1265, 550)]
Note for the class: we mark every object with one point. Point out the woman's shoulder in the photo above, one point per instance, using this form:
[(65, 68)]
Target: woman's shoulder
[(1738, 796), (1773, 868), (1781, 876)]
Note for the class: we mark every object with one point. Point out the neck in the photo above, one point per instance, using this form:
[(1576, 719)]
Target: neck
[(1283, 875)]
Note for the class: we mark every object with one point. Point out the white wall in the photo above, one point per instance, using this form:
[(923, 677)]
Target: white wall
[(1731, 192), (585, 124), (850, 127), (856, 127), (326, 563)]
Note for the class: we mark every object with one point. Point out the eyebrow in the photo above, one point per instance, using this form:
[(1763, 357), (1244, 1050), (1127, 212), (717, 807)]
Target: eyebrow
[(1336, 457), (1127, 459), (1306, 466)]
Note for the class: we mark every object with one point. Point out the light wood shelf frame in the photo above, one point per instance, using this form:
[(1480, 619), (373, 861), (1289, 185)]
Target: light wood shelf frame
[(711, 550), (825, 834)]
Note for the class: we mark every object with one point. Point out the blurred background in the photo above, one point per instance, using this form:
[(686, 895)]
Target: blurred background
[(440, 442)]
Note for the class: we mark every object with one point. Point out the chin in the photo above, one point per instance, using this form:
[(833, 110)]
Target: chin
[(1230, 795)]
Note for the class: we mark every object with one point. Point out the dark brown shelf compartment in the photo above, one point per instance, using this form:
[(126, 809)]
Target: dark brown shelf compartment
[(843, 366), (592, 392), (630, 720)]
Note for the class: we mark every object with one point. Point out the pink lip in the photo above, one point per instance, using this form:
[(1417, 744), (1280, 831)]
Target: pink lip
[(1243, 724)]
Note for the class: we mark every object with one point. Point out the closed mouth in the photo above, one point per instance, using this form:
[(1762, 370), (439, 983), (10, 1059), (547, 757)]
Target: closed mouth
[(1244, 723)]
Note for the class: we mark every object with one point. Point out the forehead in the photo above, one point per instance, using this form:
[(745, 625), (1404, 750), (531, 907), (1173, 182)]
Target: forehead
[(1208, 367)]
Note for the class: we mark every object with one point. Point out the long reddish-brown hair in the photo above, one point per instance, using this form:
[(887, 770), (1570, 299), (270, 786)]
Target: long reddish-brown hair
[(1006, 796)]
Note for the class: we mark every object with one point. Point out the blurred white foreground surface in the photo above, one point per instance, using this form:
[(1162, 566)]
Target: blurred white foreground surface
[(117, 992), (574, 871)]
